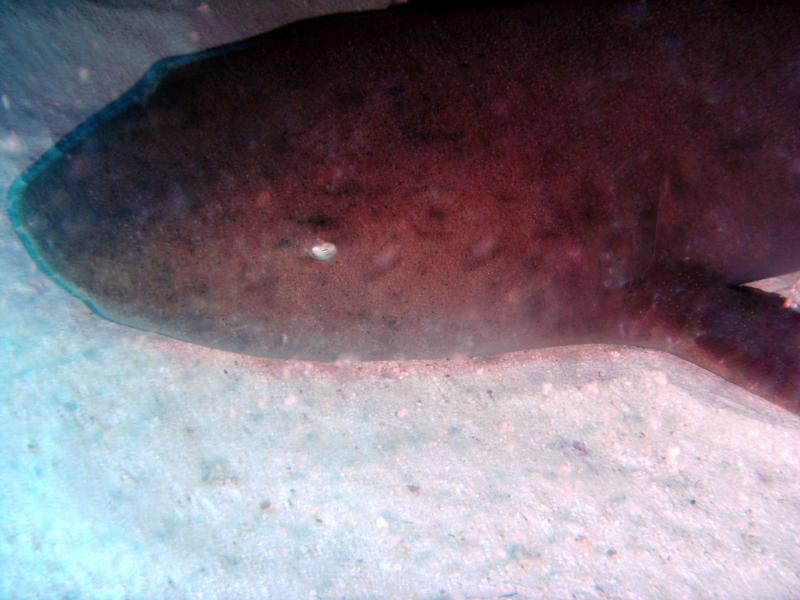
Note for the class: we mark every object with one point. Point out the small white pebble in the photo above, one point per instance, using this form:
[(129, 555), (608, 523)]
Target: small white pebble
[(6, 101), (324, 251), (591, 388), (660, 377), (83, 74), (672, 458)]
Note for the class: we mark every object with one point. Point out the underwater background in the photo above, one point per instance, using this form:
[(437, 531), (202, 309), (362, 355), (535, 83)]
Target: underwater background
[(136, 466)]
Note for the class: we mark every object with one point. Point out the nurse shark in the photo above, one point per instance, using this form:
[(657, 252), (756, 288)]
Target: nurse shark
[(417, 183)]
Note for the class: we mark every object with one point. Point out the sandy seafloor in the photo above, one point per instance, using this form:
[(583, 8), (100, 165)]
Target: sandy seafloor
[(134, 466)]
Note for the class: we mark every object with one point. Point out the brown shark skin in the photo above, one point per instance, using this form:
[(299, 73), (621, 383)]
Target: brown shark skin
[(493, 179)]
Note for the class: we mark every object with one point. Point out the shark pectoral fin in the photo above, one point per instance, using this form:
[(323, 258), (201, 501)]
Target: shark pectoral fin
[(745, 335)]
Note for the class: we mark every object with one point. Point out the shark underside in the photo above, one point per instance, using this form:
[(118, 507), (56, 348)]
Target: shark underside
[(417, 183)]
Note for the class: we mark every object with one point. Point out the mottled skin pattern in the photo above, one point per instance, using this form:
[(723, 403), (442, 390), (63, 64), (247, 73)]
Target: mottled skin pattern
[(493, 179)]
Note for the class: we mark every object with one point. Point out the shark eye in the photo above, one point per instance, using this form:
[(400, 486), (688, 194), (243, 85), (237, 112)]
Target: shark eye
[(324, 251)]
